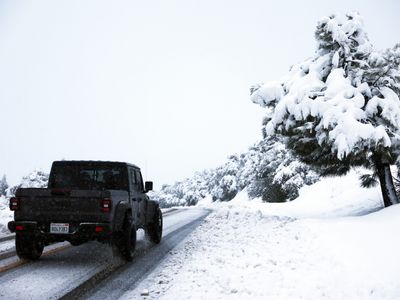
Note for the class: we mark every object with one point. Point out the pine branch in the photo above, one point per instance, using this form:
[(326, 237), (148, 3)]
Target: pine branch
[(389, 67), (368, 180)]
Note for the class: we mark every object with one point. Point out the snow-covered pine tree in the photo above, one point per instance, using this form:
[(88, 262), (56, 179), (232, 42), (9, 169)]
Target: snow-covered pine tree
[(224, 180), (274, 173), (268, 170), (36, 179), (3, 186), (341, 107)]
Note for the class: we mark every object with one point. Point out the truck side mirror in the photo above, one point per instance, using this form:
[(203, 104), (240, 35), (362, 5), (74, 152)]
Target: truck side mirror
[(148, 186)]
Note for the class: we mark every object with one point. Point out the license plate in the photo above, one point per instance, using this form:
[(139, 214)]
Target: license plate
[(59, 228)]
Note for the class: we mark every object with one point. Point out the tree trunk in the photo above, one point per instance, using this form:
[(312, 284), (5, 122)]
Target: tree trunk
[(386, 181)]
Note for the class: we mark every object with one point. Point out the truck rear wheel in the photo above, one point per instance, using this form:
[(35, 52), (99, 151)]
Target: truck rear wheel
[(127, 242), (28, 247), (154, 229)]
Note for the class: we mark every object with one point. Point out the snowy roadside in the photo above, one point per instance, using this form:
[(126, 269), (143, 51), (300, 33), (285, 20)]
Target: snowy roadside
[(240, 254), (244, 252), (6, 215)]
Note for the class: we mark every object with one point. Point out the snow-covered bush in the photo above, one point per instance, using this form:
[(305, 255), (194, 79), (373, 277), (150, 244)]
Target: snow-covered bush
[(36, 179), (224, 182), (277, 175), (339, 108), (183, 193), (3, 186), (267, 170)]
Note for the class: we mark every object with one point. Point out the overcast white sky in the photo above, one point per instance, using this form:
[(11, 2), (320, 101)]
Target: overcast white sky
[(163, 84)]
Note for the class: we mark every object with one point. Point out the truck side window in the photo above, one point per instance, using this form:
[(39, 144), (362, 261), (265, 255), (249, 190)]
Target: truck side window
[(139, 180), (133, 182)]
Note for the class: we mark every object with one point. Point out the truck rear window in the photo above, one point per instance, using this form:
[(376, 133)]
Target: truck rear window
[(88, 177)]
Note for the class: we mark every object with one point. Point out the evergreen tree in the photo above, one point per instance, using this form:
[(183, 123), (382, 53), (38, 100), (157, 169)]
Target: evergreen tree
[(36, 179), (340, 108), (3, 186), (276, 174), (267, 170)]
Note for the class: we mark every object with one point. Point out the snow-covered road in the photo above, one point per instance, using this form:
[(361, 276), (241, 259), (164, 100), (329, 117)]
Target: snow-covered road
[(60, 273)]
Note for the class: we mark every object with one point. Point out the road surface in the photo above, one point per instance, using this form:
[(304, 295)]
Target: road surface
[(91, 270)]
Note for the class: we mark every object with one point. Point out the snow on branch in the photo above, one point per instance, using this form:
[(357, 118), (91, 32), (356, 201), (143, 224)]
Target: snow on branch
[(345, 97)]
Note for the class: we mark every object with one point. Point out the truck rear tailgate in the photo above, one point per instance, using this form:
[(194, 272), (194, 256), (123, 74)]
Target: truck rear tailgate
[(75, 206)]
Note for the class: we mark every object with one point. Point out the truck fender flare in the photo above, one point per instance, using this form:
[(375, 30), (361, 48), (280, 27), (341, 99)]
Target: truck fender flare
[(152, 207), (121, 209)]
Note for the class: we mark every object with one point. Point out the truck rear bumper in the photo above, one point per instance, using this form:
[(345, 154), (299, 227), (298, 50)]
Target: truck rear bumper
[(82, 231)]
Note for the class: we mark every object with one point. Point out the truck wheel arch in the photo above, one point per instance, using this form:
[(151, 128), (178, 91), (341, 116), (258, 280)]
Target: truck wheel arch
[(152, 207), (120, 212)]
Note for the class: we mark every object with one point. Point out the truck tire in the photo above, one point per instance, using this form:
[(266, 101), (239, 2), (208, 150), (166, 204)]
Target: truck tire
[(28, 247), (154, 229), (127, 241)]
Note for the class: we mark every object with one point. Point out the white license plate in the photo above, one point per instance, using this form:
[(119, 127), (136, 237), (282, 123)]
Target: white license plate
[(59, 228)]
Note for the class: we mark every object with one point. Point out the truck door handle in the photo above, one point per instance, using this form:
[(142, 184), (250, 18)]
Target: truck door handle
[(139, 199), (133, 199)]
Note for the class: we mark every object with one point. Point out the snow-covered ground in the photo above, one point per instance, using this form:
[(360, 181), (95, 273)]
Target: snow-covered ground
[(336, 196), (320, 246), (333, 242)]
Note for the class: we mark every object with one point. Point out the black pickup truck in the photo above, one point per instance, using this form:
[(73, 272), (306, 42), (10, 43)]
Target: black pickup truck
[(85, 201)]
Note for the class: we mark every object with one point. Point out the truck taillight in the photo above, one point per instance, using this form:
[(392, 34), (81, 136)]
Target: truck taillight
[(19, 227), (15, 203), (106, 205)]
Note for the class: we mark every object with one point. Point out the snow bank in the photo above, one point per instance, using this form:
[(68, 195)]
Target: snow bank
[(329, 197), (241, 253), (367, 247), (6, 215), (323, 245)]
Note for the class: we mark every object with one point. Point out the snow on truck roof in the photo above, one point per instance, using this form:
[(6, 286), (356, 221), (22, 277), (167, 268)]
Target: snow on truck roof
[(94, 162)]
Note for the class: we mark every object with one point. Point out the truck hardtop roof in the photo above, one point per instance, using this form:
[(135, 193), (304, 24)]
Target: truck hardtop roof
[(93, 162)]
